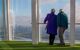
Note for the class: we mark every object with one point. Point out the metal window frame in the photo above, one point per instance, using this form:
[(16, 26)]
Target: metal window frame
[(72, 22), (8, 22), (35, 20)]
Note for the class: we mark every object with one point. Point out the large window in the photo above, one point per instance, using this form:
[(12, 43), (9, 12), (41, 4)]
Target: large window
[(45, 7), (21, 15)]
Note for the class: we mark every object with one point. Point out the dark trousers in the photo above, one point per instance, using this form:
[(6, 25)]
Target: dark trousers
[(61, 32), (51, 39)]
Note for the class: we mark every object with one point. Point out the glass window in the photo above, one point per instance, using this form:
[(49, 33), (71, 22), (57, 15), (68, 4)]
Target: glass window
[(21, 14), (1, 21), (45, 7), (77, 21)]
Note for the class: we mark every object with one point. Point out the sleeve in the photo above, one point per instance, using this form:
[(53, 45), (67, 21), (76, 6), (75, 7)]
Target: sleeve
[(66, 20), (58, 19), (46, 19)]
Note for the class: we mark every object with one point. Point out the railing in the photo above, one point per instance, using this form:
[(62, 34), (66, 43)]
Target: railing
[(42, 35), (68, 23)]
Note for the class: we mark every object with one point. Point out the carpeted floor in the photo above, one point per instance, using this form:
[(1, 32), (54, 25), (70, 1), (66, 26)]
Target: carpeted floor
[(23, 45)]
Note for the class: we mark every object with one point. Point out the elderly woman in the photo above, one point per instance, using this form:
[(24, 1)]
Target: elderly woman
[(51, 20)]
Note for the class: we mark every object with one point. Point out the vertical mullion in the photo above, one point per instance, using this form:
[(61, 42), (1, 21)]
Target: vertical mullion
[(72, 22), (38, 34), (34, 22), (9, 22), (35, 35)]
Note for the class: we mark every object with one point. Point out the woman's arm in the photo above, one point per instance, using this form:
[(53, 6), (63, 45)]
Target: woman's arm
[(46, 19)]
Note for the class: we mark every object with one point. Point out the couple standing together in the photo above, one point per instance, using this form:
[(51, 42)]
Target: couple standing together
[(56, 23)]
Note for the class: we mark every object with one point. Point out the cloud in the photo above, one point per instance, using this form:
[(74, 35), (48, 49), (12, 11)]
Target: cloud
[(19, 20), (47, 1)]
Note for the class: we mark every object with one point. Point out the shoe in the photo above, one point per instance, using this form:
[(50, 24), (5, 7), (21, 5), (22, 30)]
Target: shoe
[(50, 44), (61, 44)]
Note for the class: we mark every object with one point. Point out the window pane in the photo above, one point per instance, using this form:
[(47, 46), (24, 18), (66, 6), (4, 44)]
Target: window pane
[(1, 22), (0, 8), (21, 13), (45, 7), (77, 20)]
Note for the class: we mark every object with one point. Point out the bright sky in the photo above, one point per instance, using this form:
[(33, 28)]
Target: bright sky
[(23, 7)]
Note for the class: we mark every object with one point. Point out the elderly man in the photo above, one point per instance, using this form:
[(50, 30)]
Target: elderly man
[(62, 24)]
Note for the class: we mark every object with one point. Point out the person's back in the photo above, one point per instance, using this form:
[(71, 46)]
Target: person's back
[(62, 24), (51, 20), (62, 20)]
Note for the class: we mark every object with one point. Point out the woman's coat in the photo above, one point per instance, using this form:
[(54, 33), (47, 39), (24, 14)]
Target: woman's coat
[(51, 20)]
